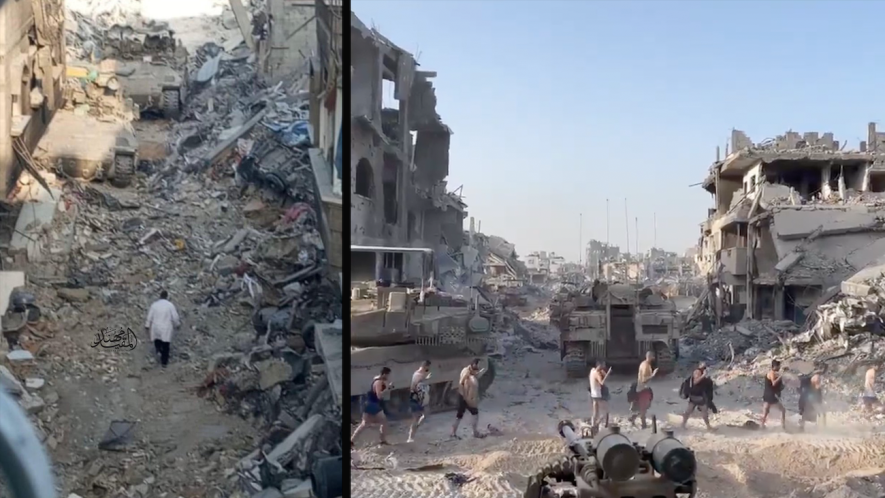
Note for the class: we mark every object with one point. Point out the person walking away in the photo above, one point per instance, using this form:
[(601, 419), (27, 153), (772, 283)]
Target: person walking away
[(162, 320), (644, 394), (870, 399), (698, 389), (811, 400), (373, 413), (771, 393), (598, 401), (418, 397), (468, 397)]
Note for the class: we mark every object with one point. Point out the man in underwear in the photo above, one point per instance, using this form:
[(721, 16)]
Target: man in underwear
[(698, 389), (468, 397), (373, 413), (771, 393), (418, 394), (811, 400), (870, 399), (644, 394), (598, 391)]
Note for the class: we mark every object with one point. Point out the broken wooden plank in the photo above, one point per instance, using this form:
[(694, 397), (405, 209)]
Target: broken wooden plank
[(219, 149)]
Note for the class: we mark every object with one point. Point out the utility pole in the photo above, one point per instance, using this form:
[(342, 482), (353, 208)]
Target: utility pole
[(606, 226), (627, 224), (655, 243), (580, 236)]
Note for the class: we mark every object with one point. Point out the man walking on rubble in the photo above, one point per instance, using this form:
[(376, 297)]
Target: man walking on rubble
[(418, 397), (373, 411), (698, 390), (642, 393), (771, 393), (870, 399), (811, 400), (468, 397), (162, 320)]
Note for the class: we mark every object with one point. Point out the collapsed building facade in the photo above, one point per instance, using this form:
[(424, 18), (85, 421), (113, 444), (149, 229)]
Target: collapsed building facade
[(399, 162), (794, 217), (32, 72)]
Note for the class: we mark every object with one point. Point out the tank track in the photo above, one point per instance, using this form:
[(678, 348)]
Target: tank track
[(124, 170), (575, 360), (664, 360), (171, 104)]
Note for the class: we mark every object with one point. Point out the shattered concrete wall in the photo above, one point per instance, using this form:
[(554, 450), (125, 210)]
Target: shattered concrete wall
[(399, 196), (293, 36), (788, 141), (30, 69)]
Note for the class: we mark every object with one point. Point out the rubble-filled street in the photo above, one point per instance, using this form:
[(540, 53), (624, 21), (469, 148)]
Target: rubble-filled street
[(467, 354), (215, 191)]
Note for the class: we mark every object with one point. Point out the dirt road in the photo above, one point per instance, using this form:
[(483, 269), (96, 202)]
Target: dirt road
[(531, 394)]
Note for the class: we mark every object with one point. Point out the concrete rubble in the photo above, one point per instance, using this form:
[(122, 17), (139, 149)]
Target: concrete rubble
[(227, 219)]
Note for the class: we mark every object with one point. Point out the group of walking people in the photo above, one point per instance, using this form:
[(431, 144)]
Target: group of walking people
[(698, 390), (374, 412)]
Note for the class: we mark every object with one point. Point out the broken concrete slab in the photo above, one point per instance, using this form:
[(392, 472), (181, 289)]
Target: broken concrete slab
[(788, 261), (34, 383), (9, 382), (74, 295), (284, 452), (330, 344), (19, 355), (34, 216), (273, 372)]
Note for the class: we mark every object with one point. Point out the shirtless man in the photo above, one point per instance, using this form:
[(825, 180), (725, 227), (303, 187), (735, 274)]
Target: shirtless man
[(418, 397), (373, 413), (871, 403), (598, 400), (698, 392), (468, 397), (644, 394), (771, 393)]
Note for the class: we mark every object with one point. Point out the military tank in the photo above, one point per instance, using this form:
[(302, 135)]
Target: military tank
[(618, 323), (400, 327)]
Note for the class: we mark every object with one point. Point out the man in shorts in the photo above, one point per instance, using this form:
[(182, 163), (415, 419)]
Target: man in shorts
[(698, 390), (644, 395), (468, 397), (418, 396), (773, 386), (373, 412), (870, 399), (598, 393)]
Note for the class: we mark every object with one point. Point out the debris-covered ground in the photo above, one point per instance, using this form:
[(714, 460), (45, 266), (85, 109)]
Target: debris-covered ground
[(531, 393), (223, 215)]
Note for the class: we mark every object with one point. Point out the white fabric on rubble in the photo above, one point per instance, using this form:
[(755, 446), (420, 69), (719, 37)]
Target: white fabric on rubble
[(161, 320)]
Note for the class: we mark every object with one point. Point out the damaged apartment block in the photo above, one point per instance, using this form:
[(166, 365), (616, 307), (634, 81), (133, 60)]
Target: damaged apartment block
[(32, 59), (794, 217), (400, 161)]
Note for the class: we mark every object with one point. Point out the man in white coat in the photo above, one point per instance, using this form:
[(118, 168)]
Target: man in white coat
[(162, 320)]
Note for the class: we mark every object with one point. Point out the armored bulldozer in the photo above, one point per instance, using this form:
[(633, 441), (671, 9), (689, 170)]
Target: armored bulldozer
[(400, 327), (617, 323)]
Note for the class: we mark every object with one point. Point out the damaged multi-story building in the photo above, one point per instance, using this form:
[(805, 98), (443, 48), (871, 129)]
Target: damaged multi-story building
[(399, 162), (793, 217), (32, 72)]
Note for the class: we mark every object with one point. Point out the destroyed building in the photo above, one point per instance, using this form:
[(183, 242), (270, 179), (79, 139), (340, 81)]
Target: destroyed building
[(326, 119), (794, 216), (399, 162), (32, 69), (597, 252)]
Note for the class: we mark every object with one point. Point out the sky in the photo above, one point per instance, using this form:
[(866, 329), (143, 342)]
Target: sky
[(557, 106)]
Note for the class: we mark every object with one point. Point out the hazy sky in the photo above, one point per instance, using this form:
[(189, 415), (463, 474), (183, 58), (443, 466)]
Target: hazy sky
[(556, 106)]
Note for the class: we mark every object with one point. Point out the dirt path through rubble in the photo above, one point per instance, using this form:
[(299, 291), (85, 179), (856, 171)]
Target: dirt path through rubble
[(89, 387), (531, 394)]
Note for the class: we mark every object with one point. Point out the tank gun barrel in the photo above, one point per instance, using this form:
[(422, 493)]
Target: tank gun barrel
[(670, 458)]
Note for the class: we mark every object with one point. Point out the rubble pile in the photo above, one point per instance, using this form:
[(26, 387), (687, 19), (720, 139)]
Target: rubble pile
[(749, 338), (849, 314), (228, 223)]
